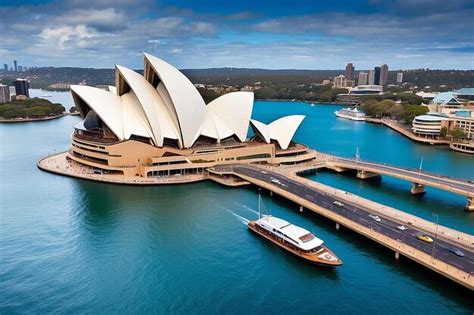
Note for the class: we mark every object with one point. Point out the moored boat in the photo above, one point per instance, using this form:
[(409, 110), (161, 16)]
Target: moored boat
[(349, 113), (294, 240)]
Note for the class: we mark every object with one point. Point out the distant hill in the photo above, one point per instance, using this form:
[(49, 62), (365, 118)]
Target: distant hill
[(46, 76)]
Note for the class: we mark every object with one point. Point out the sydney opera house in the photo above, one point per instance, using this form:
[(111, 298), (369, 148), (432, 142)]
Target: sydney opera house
[(157, 125)]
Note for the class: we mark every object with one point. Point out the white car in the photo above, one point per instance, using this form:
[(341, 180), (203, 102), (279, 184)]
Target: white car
[(402, 228), (375, 217), (338, 203)]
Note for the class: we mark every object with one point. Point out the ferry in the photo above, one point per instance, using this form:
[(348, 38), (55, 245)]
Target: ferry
[(294, 240), (349, 113)]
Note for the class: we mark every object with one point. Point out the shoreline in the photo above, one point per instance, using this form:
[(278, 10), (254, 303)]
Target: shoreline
[(21, 120)]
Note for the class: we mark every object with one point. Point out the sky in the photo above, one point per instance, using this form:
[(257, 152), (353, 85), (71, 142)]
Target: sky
[(314, 34)]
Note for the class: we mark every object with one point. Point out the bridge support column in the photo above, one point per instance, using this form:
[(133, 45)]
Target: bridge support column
[(417, 189), (271, 193), (470, 204), (365, 174), (301, 208), (337, 226), (397, 255)]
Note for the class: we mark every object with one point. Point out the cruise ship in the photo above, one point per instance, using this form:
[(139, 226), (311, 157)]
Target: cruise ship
[(349, 113), (294, 240)]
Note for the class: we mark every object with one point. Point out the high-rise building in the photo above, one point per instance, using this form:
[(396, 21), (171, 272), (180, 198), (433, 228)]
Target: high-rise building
[(371, 79), (363, 76), (21, 87), (399, 77), (340, 81), (20, 68), (349, 71), (383, 74), (5, 67), (377, 75), (15, 66), (4, 93)]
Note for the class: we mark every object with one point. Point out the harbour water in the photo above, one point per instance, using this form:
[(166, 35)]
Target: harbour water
[(69, 245)]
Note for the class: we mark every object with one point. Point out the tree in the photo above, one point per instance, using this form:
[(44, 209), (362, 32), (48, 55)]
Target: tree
[(443, 132), (73, 109), (457, 133)]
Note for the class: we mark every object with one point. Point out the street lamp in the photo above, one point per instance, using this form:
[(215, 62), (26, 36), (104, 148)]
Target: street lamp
[(436, 235)]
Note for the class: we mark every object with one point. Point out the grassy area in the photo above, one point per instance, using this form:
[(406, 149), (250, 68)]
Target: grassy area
[(31, 108)]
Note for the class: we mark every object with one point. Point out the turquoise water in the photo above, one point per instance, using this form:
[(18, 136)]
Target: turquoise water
[(68, 245)]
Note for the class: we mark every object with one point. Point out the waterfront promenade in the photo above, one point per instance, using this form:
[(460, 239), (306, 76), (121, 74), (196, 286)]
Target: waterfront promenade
[(354, 214)]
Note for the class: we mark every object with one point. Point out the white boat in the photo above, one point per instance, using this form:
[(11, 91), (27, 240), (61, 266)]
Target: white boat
[(294, 239), (350, 113)]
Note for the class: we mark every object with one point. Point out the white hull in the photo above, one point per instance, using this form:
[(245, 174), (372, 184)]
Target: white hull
[(338, 114)]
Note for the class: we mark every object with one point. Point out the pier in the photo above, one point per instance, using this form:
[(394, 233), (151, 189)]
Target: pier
[(354, 215)]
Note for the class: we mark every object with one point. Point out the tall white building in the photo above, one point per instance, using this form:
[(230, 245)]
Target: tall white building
[(399, 77), (4, 93), (371, 77), (340, 81), (363, 76)]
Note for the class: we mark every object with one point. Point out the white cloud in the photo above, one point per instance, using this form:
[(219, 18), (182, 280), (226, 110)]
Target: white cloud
[(66, 37)]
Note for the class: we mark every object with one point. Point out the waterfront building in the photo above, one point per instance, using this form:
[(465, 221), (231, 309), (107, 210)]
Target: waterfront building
[(4, 93), (465, 95), (383, 75), (399, 77), (349, 74), (363, 76), (430, 125), (371, 77), (15, 66), (340, 81), (377, 75), (464, 119), (355, 94), (446, 100), (22, 87), (157, 124)]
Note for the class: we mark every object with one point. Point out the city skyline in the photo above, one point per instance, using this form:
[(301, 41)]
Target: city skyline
[(276, 35)]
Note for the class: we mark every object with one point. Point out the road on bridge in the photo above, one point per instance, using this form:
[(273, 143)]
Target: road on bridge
[(440, 248), (459, 186)]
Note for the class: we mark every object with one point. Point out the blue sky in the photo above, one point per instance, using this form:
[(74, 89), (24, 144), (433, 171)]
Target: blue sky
[(405, 34)]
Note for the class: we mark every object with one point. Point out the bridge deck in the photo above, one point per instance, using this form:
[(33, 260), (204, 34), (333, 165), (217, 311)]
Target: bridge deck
[(355, 212), (454, 185)]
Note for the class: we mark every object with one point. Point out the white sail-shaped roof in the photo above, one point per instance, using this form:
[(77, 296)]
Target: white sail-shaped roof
[(188, 104), (164, 104), (282, 130), (215, 128), (107, 105), (152, 105), (135, 121), (234, 110)]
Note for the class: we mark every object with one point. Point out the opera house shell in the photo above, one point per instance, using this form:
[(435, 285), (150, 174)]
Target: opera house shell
[(157, 124)]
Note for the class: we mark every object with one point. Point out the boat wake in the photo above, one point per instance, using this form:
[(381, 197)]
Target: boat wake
[(248, 208), (244, 221)]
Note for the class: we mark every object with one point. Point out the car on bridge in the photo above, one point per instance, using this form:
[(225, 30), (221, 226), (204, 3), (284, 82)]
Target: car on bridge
[(375, 217), (338, 203), (456, 252), (423, 237), (402, 228)]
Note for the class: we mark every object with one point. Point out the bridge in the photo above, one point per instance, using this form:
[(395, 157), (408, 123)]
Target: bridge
[(355, 213), (418, 178)]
